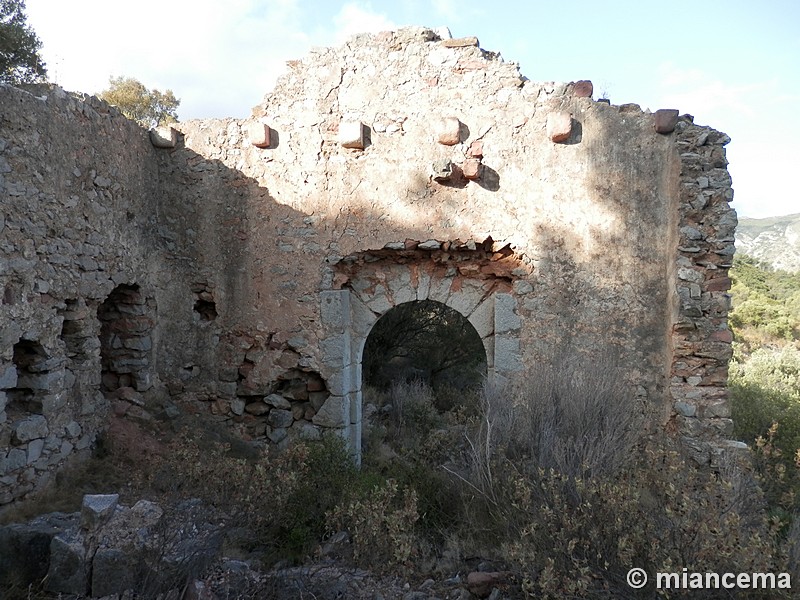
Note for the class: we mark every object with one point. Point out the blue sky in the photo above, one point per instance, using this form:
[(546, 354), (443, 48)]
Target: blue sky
[(733, 64)]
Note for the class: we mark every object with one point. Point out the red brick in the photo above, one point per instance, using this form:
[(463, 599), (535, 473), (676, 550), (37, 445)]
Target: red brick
[(475, 149)]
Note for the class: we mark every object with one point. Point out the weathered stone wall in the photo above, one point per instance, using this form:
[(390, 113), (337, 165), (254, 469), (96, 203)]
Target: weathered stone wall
[(701, 337), (77, 195), (252, 257)]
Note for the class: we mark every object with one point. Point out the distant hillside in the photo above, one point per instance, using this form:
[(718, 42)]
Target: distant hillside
[(775, 240)]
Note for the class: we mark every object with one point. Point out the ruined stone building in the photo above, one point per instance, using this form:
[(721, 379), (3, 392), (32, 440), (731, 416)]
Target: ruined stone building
[(236, 267)]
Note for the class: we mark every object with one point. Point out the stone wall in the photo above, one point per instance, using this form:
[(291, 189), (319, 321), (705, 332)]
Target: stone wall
[(701, 337), (78, 190), (237, 269)]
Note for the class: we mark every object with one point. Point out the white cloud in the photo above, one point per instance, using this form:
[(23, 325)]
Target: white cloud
[(762, 175), (357, 17), (692, 90), (218, 57), (754, 115)]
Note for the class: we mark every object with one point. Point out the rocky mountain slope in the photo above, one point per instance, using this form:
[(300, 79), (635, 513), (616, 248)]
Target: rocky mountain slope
[(775, 240)]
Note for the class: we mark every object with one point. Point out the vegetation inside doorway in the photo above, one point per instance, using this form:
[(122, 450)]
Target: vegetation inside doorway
[(427, 342)]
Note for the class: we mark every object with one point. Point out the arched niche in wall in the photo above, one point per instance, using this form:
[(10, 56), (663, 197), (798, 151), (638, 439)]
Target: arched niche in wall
[(127, 319)]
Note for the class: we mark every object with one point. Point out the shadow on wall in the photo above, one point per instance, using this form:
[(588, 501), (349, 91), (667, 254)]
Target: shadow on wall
[(237, 273), (240, 282)]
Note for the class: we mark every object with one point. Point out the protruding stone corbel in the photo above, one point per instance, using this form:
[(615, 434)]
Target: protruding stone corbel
[(448, 131), (164, 137), (353, 134), (559, 126), (259, 134)]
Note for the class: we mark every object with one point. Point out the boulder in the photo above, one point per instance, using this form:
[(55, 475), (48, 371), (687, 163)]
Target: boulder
[(68, 571), (25, 548), (97, 509), (481, 583)]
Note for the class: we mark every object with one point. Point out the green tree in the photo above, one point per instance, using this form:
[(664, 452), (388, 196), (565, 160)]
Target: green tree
[(19, 47), (766, 304), (425, 340), (149, 108)]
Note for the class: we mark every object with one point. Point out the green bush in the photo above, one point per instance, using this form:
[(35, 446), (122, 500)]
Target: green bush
[(579, 537), (764, 378), (570, 503), (382, 526), (281, 501), (765, 389), (420, 439), (766, 303), (414, 410)]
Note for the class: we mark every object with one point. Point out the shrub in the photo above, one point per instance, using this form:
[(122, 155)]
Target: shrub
[(579, 420), (579, 537), (421, 439), (281, 501), (765, 390), (571, 495), (414, 411), (382, 526)]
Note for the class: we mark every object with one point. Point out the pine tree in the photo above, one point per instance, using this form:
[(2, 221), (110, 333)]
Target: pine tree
[(19, 47)]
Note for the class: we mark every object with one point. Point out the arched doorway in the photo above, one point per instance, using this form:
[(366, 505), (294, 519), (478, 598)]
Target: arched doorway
[(349, 315), (425, 341)]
